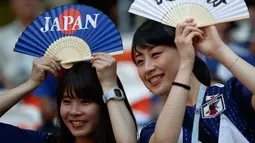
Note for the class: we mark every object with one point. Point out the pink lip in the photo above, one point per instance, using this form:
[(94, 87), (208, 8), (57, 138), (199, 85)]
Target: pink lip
[(155, 83), (76, 126)]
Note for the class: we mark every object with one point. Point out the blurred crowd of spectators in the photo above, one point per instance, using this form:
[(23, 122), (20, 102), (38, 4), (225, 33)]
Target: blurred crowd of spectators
[(15, 68)]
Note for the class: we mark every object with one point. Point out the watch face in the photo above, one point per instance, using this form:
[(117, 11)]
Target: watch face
[(117, 92)]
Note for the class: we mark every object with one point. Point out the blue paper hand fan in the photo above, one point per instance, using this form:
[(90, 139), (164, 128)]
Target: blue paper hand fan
[(72, 33)]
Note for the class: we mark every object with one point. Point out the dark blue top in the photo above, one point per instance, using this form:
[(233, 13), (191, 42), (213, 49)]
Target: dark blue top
[(239, 110), (12, 134)]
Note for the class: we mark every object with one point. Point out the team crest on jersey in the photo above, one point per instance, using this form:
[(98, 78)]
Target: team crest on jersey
[(213, 107)]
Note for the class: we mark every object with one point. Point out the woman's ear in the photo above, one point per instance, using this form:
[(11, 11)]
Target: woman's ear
[(201, 71)]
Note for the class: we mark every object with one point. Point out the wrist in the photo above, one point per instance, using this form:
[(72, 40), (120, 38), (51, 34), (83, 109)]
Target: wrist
[(108, 86), (186, 66), (185, 86), (33, 83), (113, 94), (219, 51), (226, 56)]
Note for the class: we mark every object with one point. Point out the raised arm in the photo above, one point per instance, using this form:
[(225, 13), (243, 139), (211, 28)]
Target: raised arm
[(214, 47), (40, 68), (123, 124), (170, 121)]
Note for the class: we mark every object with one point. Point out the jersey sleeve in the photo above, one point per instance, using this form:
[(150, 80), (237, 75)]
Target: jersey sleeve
[(243, 99), (13, 134), (240, 93)]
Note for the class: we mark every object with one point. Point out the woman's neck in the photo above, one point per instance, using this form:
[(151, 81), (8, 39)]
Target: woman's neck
[(193, 93), (84, 140)]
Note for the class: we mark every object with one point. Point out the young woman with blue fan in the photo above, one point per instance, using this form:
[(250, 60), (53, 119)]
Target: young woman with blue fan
[(194, 110), (92, 105)]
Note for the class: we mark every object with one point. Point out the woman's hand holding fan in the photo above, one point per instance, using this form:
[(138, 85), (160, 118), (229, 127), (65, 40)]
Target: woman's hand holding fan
[(186, 34), (211, 43), (43, 66), (106, 67)]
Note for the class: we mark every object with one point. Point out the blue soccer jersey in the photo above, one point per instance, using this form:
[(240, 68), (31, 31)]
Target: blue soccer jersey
[(237, 108), (12, 134)]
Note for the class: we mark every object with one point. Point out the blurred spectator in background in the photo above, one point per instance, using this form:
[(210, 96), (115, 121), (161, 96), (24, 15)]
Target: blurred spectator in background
[(16, 67), (125, 19), (108, 7), (251, 4)]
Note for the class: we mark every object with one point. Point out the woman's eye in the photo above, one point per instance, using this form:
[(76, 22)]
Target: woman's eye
[(156, 54), (139, 62), (66, 101)]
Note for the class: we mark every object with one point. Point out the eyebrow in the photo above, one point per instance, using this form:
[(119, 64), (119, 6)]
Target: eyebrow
[(140, 54)]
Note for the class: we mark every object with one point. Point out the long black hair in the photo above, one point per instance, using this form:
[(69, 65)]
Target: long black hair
[(152, 33), (83, 81)]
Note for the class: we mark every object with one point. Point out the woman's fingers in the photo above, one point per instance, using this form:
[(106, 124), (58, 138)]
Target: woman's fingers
[(103, 56), (188, 29), (106, 58), (180, 27), (51, 63), (48, 69), (55, 62), (99, 65), (193, 34)]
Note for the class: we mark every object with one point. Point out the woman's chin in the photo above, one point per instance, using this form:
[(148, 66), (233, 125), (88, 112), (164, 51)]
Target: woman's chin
[(159, 93)]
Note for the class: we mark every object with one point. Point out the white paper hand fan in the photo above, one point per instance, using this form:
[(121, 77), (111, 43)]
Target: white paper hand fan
[(204, 12), (72, 33)]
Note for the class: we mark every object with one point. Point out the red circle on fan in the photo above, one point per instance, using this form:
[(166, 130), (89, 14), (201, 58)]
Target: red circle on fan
[(69, 21)]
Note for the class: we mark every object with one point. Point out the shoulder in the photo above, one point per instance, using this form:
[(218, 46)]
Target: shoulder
[(21, 135)]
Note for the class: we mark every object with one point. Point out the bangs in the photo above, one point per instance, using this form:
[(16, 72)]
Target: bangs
[(81, 82), (80, 91)]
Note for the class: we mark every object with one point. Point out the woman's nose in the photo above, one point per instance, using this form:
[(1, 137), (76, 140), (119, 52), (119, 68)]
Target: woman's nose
[(149, 66), (75, 109)]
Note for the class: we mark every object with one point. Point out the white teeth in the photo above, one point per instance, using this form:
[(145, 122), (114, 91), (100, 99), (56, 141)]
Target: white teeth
[(154, 79), (77, 122)]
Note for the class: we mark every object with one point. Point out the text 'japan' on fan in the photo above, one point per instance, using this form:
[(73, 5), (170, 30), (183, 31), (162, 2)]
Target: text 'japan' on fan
[(72, 33)]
